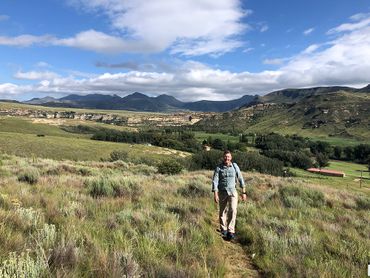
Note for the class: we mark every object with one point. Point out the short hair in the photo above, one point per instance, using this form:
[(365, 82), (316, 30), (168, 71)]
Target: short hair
[(226, 152)]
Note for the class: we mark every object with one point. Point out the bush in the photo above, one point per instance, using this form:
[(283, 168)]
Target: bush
[(119, 155), (99, 187), (250, 161), (291, 158), (322, 160), (253, 161), (363, 203), (296, 197), (84, 171), (169, 168), (125, 187), (194, 189), (30, 175), (112, 186), (206, 160)]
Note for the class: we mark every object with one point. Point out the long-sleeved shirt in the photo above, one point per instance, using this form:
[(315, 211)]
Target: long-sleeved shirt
[(224, 178)]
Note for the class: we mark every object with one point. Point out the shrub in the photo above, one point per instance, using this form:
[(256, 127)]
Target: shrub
[(122, 264), (363, 203), (29, 175), (65, 255), (291, 158), (99, 187), (47, 235), (169, 168), (125, 187), (119, 155), (84, 171), (250, 161), (296, 197), (194, 189), (322, 160), (206, 160), (112, 186), (23, 265)]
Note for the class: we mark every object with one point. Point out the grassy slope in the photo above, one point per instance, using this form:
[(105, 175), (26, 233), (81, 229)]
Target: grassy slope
[(200, 136), (165, 225), (19, 136), (349, 183), (291, 120)]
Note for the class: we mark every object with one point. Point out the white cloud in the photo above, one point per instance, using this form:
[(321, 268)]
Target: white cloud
[(344, 60), (308, 31), (161, 24), (26, 40), (192, 27), (360, 21), (35, 75), (101, 42), (248, 49), (43, 64), (275, 61), (311, 48)]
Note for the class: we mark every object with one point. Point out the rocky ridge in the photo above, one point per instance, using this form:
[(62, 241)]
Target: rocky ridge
[(176, 119)]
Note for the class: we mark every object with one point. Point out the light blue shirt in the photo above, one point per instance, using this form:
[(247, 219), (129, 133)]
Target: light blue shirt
[(224, 178)]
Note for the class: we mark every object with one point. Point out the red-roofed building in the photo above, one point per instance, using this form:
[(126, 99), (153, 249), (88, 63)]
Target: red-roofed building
[(327, 172)]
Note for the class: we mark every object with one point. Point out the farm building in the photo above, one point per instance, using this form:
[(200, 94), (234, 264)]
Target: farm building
[(327, 172)]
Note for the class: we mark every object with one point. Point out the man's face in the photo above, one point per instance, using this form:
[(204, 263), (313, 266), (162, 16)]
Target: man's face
[(227, 158)]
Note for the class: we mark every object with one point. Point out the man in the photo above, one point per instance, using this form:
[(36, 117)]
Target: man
[(225, 194)]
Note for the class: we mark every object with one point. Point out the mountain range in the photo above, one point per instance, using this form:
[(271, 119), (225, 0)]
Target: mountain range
[(140, 102)]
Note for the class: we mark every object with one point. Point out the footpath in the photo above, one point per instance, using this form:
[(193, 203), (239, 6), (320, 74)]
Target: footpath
[(238, 263)]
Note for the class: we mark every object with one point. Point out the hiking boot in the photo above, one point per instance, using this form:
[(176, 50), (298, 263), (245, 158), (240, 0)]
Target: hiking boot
[(224, 233), (230, 236)]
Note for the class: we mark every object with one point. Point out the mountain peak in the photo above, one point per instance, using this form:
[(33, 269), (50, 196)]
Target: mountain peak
[(137, 95)]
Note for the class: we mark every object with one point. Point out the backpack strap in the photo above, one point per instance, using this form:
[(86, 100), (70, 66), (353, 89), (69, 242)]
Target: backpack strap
[(236, 172)]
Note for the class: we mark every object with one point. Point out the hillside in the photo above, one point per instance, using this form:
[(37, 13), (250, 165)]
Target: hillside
[(116, 219), (330, 112)]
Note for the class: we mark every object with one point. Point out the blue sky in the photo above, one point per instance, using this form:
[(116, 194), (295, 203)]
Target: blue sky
[(191, 49)]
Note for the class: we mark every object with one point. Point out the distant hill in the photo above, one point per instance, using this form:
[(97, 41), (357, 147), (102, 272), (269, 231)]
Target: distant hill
[(140, 102), (321, 111), (296, 95)]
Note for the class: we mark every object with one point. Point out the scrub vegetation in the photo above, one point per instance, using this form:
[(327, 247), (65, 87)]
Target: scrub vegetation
[(116, 218)]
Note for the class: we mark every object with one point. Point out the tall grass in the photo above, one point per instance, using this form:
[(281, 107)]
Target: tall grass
[(118, 219)]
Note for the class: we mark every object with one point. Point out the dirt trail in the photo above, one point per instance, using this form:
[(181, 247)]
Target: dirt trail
[(237, 261)]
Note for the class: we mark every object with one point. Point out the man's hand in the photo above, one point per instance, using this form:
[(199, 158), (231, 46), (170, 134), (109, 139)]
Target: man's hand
[(244, 197), (215, 196)]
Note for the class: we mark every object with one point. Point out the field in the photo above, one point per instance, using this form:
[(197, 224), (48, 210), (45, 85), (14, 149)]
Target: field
[(19, 136), (110, 219), (200, 136), (67, 211), (351, 182)]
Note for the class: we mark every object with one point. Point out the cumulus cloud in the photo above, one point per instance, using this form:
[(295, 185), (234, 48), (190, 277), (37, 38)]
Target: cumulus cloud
[(35, 75), (26, 40), (154, 26), (344, 60)]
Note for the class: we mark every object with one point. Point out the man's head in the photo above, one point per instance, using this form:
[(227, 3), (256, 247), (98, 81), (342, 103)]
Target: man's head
[(227, 157)]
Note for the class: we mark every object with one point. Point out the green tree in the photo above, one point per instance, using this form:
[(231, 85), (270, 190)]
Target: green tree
[(322, 160)]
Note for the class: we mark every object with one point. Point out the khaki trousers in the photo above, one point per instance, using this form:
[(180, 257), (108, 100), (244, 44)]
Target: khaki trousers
[(227, 214)]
